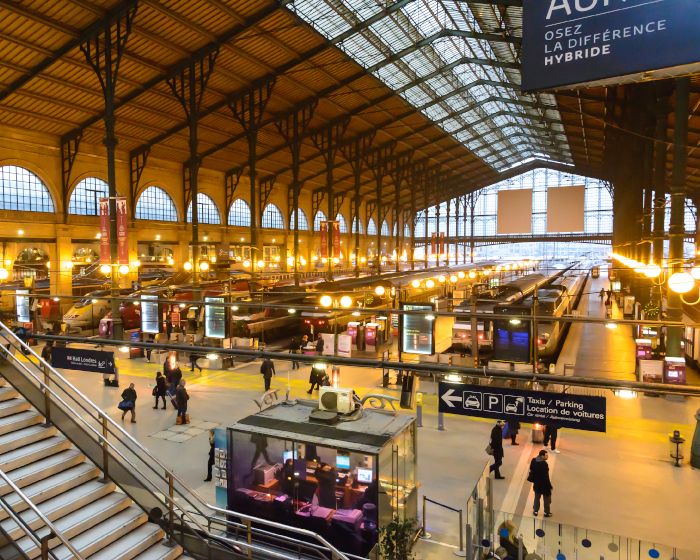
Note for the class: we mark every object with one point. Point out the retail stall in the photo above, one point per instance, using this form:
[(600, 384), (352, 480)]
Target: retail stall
[(342, 480)]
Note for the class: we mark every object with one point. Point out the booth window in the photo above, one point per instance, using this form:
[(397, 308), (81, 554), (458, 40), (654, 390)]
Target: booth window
[(272, 217), (85, 198), (303, 221), (371, 227), (21, 190), (318, 218), (207, 211), (357, 226), (239, 213), (342, 224), (156, 204)]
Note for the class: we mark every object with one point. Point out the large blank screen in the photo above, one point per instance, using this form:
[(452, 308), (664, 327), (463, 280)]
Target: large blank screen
[(565, 209), (515, 211)]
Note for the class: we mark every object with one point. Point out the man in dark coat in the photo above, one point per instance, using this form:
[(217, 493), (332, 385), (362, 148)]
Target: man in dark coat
[(181, 398), (267, 368), (496, 444), (295, 348), (551, 431), (539, 471), (129, 402), (210, 462), (513, 429)]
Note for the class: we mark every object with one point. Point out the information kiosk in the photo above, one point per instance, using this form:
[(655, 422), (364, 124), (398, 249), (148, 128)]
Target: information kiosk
[(342, 480)]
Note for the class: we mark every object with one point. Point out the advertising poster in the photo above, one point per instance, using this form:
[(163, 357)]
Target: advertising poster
[(214, 318), (579, 412), (573, 42), (417, 332), (105, 257), (149, 314), (122, 231), (371, 334)]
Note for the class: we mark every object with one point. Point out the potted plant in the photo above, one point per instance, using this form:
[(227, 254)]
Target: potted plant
[(396, 539)]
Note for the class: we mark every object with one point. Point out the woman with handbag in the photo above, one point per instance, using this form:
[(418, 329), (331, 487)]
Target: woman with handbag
[(160, 389), (128, 403)]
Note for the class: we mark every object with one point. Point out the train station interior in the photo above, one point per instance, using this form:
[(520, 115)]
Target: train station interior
[(349, 279)]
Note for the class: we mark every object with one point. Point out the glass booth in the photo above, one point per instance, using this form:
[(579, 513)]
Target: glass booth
[(342, 481)]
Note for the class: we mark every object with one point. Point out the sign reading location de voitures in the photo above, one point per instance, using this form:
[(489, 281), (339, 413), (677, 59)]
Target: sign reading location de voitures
[(82, 360), (575, 42), (579, 412)]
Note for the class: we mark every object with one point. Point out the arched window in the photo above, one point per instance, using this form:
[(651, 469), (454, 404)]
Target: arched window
[(406, 231), (239, 213), (371, 227), (272, 217), (357, 226), (85, 198), (155, 204), (207, 211), (318, 218), (20, 189), (385, 228), (303, 221), (342, 224)]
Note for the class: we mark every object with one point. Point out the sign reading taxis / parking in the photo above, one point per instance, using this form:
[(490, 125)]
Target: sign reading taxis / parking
[(579, 412)]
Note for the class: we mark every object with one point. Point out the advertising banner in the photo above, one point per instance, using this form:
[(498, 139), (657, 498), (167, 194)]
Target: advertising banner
[(335, 228), (149, 314), (433, 243), (104, 231), (578, 412), (122, 231), (324, 239), (214, 318), (417, 332), (574, 42), (82, 360)]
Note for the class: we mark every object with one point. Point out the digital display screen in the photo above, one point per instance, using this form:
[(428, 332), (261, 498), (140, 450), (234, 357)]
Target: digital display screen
[(342, 461), (417, 331), (22, 304), (214, 318), (364, 476), (149, 314), (511, 343)]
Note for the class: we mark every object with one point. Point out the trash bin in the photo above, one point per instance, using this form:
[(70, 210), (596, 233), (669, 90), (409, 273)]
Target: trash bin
[(537, 433), (676, 447)]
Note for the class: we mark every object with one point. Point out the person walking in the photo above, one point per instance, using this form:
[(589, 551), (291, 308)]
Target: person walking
[(315, 379), (148, 348), (46, 351), (294, 348), (496, 445), (320, 343), (128, 403), (160, 390), (601, 294), (181, 398), (513, 427), (210, 462), (193, 361), (550, 434), (539, 476), (267, 368)]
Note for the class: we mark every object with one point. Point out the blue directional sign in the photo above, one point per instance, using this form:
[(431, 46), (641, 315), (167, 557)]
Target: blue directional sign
[(571, 42), (579, 412), (82, 359)]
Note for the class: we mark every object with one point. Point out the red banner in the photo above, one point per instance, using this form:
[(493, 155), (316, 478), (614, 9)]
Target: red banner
[(104, 231), (336, 239), (442, 242), (433, 243), (324, 240), (122, 231)]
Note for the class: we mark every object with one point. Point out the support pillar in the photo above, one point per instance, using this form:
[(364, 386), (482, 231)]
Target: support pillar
[(660, 151), (674, 308)]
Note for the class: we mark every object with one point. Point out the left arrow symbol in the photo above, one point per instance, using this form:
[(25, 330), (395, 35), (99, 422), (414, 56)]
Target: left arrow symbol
[(449, 398)]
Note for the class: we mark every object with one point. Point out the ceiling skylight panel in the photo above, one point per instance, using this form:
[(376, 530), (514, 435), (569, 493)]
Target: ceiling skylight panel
[(451, 124), (422, 17), (321, 16), (389, 32), (435, 112), (440, 85), (393, 76), (416, 96), (362, 50)]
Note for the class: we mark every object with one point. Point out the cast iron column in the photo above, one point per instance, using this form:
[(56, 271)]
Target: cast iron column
[(660, 151)]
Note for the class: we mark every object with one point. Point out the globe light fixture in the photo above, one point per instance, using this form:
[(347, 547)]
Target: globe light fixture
[(695, 272), (654, 270), (124, 269), (681, 282), (261, 264), (472, 275), (453, 279), (416, 283), (187, 266), (379, 290), (105, 269), (4, 274), (430, 284), (345, 301), (204, 266), (461, 274), (326, 301)]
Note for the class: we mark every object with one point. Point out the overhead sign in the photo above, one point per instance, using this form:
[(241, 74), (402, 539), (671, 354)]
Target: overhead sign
[(149, 314), (574, 42), (82, 360), (417, 331), (579, 412), (214, 318)]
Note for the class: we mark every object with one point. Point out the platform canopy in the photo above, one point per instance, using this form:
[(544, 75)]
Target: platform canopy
[(437, 80)]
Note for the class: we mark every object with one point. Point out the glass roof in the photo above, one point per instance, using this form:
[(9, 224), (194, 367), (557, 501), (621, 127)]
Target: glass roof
[(466, 85)]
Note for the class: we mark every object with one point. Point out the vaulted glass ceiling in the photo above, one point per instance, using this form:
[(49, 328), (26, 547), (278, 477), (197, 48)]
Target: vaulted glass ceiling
[(437, 55)]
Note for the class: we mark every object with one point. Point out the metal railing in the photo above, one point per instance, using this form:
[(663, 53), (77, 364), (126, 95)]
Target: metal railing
[(460, 524), (42, 543), (149, 481)]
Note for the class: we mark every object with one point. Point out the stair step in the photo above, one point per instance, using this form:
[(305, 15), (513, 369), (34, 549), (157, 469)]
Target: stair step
[(134, 544), (52, 486), (65, 503), (161, 552), (17, 421), (33, 472), (7, 393), (13, 406), (33, 452), (78, 522), (103, 534), (25, 436)]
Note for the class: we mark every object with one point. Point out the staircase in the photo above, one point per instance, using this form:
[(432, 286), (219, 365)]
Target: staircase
[(99, 519)]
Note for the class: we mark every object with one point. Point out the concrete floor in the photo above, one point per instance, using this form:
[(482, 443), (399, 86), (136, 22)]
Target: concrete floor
[(621, 482)]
